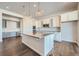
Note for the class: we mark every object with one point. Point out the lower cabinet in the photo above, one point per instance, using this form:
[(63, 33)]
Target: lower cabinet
[(48, 43), (42, 46)]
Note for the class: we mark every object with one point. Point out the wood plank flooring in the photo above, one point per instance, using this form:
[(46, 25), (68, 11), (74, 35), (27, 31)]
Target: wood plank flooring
[(15, 47), (65, 49)]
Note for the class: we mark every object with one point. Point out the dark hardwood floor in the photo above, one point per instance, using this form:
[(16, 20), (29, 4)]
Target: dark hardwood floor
[(14, 47), (65, 49)]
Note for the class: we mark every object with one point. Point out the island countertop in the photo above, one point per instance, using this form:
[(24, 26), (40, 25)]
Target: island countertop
[(42, 43), (39, 35)]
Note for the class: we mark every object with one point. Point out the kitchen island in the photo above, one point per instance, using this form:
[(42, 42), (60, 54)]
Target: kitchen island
[(42, 43)]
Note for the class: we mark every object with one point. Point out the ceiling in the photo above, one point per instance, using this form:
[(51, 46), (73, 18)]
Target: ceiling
[(48, 8)]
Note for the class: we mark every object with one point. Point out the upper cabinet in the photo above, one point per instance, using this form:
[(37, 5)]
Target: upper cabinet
[(56, 21), (48, 23), (38, 23), (70, 16), (73, 15)]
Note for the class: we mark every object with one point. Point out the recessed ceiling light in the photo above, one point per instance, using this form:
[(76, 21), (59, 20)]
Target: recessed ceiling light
[(7, 7), (34, 5)]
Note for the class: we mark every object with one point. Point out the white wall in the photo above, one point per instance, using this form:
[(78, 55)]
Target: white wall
[(6, 17), (7, 13), (11, 29), (78, 5), (78, 32), (27, 25), (78, 26), (0, 26), (66, 30), (11, 25), (69, 31)]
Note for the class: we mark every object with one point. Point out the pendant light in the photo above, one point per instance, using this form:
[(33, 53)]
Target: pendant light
[(29, 11), (39, 11)]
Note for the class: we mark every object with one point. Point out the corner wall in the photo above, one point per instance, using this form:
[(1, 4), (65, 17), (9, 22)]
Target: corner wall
[(78, 26), (0, 27), (27, 25)]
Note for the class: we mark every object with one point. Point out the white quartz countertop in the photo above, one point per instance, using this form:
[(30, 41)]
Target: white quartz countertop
[(38, 35)]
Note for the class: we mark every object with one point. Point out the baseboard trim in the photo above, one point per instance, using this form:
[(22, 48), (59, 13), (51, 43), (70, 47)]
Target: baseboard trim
[(11, 37)]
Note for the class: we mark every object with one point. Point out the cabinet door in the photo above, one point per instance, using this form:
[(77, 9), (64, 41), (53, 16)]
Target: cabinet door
[(38, 24), (46, 21), (73, 16), (48, 43), (51, 41), (64, 17), (56, 21), (70, 16)]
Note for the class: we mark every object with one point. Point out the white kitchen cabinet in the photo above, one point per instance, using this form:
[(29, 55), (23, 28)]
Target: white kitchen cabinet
[(42, 45), (56, 21), (47, 21), (48, 43), (38, 24), (64, 17), (34, 43), (73, 15), (69, 16)]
